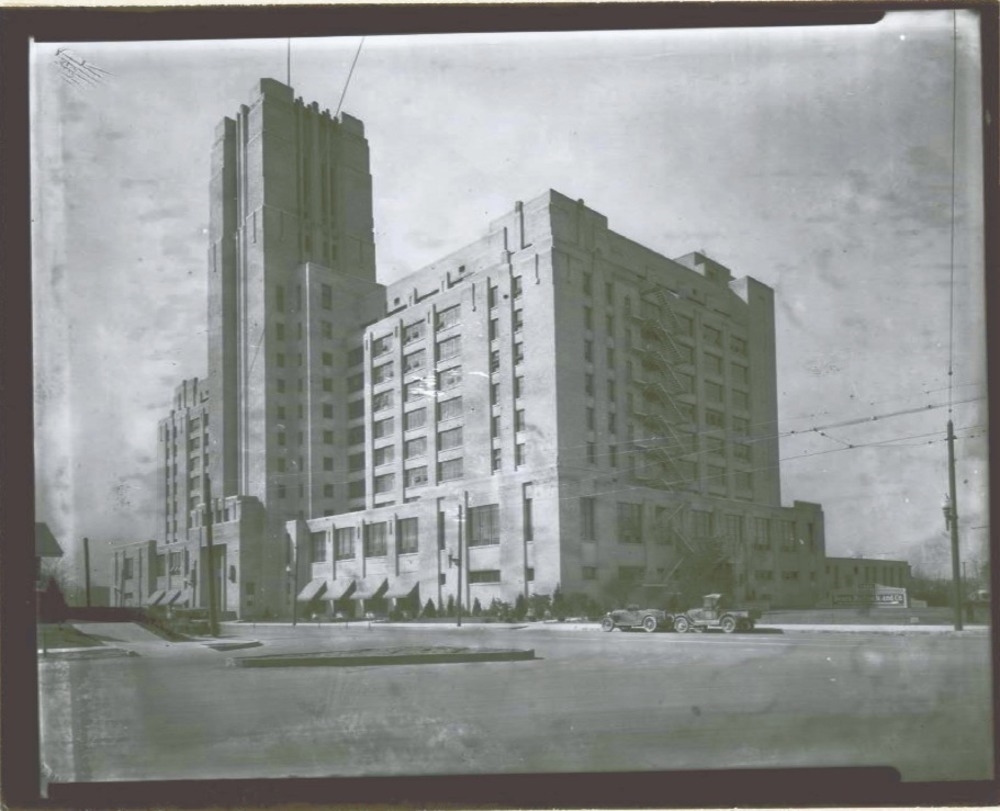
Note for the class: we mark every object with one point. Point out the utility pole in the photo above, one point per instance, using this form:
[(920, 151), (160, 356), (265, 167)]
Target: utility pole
[(86, 570), (458, 601), (956, 570), (213, 619)]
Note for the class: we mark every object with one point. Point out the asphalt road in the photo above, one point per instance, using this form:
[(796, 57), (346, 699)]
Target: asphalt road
[(589, 702)]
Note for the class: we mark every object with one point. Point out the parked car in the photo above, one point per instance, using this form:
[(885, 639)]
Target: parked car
[(715, 613), (628, 619)]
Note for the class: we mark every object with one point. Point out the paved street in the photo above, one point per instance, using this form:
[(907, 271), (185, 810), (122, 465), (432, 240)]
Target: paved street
[(589, 702)]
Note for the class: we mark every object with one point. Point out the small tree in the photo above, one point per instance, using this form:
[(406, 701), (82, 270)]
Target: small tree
[(477, 608), (520, 607), (450, 610), (429, 609), (560, 606)]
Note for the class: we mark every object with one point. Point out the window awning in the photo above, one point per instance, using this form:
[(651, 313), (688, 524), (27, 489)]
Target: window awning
[(155, 597), (313, 589), (340, 588), (403, 586), (171, 597), (370, 588)]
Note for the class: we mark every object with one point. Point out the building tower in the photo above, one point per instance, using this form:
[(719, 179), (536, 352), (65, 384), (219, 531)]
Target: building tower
[(291, 259)]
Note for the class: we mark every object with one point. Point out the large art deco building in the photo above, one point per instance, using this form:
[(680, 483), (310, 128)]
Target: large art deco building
[(551, 405)]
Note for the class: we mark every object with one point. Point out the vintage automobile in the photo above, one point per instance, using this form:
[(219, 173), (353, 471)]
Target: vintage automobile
[(628, 619), (715, 613)]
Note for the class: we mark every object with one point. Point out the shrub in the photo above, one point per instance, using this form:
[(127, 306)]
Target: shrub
[(450, 610), (429, 609), (477, 608), (520, 608)]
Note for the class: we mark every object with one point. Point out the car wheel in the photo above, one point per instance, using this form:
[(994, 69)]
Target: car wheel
[(608, 624), (728, 625), (682, 625), (649, 624)]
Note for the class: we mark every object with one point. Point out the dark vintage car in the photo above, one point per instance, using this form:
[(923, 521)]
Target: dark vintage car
[(628, 619), (716, 613)]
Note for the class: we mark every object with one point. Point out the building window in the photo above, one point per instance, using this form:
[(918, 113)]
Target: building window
[(413, 391), (375, 539), (518, 386), (383, 456), (449, 348), (494, 426), (408, 537), (519, 421), (740, 400), (415, 447), (326, 297), (279, 297), (280, 464), (516, 287), (176, 561), (494, 329), (450, 439), (494, 394), (343, 540), (609, 292), (449, 317), (685, 325), (328, 437), (702, 521), (414, 419), (491, 296), (788, 543), (588, 284), (382, 374), (592, 453), (382, 428), (385, 483), (588, 526), (279, 331), (629, 523), (495, 459), (529, 523), (519, 454), (734, 528), (318, 541), (356, 435), (327, 491), (761, 534), (382, 401), (484, 576), (610, 357), (327, 329), (327, 358), (381, 345), (279, 360), (518, 320), (613, 455), (484, 525), (589, 572), (356, 489), (414, 362), (450, 409), (588, 318), (740, 373), (631, 574), (518, 353), (450, 470), (328, 411), (738, 346), (494, 361), (588, 351), (590, 418), (588, 384), (714, 419), (612, 423), (327, 464), (416, 476), (356, 382), (279, 385), (713, 392), (449, 378), (713, 364), (413, 332)]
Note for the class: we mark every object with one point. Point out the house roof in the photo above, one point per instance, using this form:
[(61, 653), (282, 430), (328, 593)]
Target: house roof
[(46, 545)]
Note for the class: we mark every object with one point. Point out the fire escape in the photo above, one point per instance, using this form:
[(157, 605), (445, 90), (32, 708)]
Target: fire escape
[(658, 409)]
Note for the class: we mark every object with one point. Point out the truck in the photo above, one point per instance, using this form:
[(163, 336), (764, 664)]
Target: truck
[(715, 613)]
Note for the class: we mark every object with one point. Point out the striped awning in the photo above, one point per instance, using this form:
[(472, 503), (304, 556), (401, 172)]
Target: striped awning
[(370, 588), (340, 588), (155, 597), (403, 586), (171, 597), (314, 588)]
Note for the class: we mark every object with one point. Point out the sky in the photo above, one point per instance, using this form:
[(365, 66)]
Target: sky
[(816, 160)]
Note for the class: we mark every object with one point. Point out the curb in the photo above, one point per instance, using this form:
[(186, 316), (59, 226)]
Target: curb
[(370, 660), (86, 653)]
